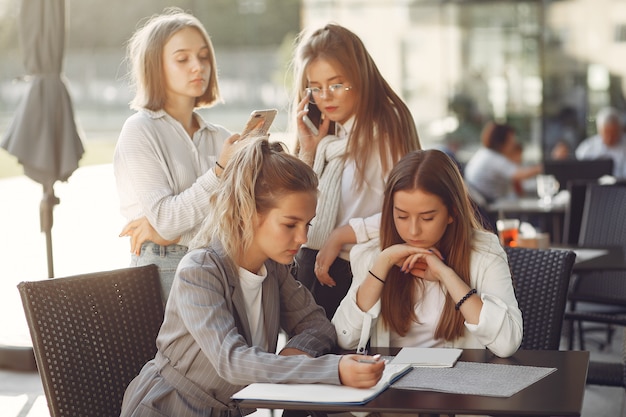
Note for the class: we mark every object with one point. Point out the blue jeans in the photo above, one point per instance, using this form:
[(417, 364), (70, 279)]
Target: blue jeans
[(165, 257)]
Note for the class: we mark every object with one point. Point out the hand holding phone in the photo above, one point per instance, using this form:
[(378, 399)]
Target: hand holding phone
[(259, 123)]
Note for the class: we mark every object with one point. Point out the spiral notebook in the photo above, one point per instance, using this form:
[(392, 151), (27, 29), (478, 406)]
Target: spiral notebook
[(322, 393)]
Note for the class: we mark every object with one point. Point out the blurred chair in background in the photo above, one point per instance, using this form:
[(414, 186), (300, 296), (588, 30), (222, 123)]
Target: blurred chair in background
[(574, 212), (602, 292), (565, 170)]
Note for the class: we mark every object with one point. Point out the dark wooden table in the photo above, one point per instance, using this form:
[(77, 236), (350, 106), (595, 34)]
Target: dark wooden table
[(613, 259), (558, 394)]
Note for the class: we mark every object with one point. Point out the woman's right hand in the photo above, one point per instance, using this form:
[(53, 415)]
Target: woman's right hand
[(140, 230), (359, 374)]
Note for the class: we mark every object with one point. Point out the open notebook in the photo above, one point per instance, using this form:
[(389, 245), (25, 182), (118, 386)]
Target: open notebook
[(322, 393)]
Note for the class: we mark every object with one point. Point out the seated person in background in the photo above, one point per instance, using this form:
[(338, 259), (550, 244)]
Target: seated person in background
[(490, 171), (561, 133), (515, 155), (234, 292), (561, 151), (435, 278), (609, 142)]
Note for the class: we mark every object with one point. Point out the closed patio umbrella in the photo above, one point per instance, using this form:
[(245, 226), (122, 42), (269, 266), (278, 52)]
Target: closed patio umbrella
[(42, 134)]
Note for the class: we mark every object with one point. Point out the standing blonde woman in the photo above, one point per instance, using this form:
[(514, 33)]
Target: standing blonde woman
[(363, 129), (167, 157)]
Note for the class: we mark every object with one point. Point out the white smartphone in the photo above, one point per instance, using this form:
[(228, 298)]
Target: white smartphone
[(259, 122), (307, 121)]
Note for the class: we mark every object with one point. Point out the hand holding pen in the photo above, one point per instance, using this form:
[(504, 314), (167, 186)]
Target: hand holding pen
[(368, 359), (361, 371)]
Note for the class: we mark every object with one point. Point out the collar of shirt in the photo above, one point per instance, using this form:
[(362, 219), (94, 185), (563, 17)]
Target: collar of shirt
[(157, 114), (343, 130)]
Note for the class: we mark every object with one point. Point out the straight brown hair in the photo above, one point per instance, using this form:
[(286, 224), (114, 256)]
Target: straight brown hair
[(433, 172)]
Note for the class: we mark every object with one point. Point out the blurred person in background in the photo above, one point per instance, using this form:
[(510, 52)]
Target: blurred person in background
[(609, 142), (561, 134), (492, 171)]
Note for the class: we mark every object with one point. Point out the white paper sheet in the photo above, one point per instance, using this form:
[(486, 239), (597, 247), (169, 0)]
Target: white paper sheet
[(429, 357)]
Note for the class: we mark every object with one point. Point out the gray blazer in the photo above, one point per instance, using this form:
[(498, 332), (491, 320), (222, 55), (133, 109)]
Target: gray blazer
[(205, 352)]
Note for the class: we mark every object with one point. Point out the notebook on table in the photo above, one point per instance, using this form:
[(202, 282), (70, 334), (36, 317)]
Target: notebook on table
[(322, 393)]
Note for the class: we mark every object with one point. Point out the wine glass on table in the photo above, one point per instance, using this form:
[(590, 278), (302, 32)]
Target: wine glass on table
[(547, 188)]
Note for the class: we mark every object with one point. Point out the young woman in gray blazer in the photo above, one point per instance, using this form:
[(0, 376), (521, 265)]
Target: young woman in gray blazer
[(234, 291)]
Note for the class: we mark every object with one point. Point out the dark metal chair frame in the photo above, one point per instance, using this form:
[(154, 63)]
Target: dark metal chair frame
[(91, 336), (602, 292)]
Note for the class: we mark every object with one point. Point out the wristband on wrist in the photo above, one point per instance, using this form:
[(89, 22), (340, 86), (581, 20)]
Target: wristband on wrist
[(465, 297), (219, 166)]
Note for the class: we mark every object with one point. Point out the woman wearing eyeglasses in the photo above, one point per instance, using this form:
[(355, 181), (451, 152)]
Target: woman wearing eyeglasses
[(361, 128)]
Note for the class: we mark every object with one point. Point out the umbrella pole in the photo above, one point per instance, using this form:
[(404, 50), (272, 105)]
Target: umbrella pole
[(48, 202)]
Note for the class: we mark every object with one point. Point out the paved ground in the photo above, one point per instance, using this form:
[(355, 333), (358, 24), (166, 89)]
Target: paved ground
[(85, 239)]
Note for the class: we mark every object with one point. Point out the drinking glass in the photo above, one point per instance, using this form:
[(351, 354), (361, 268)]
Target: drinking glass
[(508, 231), (547, 187)]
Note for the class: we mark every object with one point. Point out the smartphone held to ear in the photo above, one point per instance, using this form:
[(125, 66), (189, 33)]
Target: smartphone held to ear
[(309, 123), (259, 123)]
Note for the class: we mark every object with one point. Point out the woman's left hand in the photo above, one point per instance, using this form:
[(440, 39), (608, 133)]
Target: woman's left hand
[(140, 230), (324, 259), (330, 250)]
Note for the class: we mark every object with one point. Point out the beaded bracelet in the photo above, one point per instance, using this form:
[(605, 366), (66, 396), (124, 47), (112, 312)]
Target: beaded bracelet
[(372, 274), (465, 297)]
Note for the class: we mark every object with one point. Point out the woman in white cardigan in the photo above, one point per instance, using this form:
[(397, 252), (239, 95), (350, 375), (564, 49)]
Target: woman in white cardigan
[(435, 278)]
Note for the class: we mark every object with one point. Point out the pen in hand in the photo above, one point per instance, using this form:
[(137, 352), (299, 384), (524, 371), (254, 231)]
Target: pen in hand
[(374, 359)]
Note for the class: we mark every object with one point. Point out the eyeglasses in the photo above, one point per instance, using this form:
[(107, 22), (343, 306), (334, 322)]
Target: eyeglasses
[(337, 90)]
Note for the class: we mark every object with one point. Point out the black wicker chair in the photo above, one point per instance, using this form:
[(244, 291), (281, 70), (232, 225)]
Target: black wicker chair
[(91, 335), (599, 296), (541, 280)]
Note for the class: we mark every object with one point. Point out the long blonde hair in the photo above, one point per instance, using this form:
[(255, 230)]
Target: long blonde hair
[(144, 53), (433, 172), (382, 120), (255, 179)]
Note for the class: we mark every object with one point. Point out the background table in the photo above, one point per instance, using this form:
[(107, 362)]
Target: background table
[(550, 217), (558, 394), (613, 259)]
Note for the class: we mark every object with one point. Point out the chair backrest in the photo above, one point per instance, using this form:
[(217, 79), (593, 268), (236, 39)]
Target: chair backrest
[(541, 279), (91, 335), (565, 170), (603, 220), (574, 211)]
